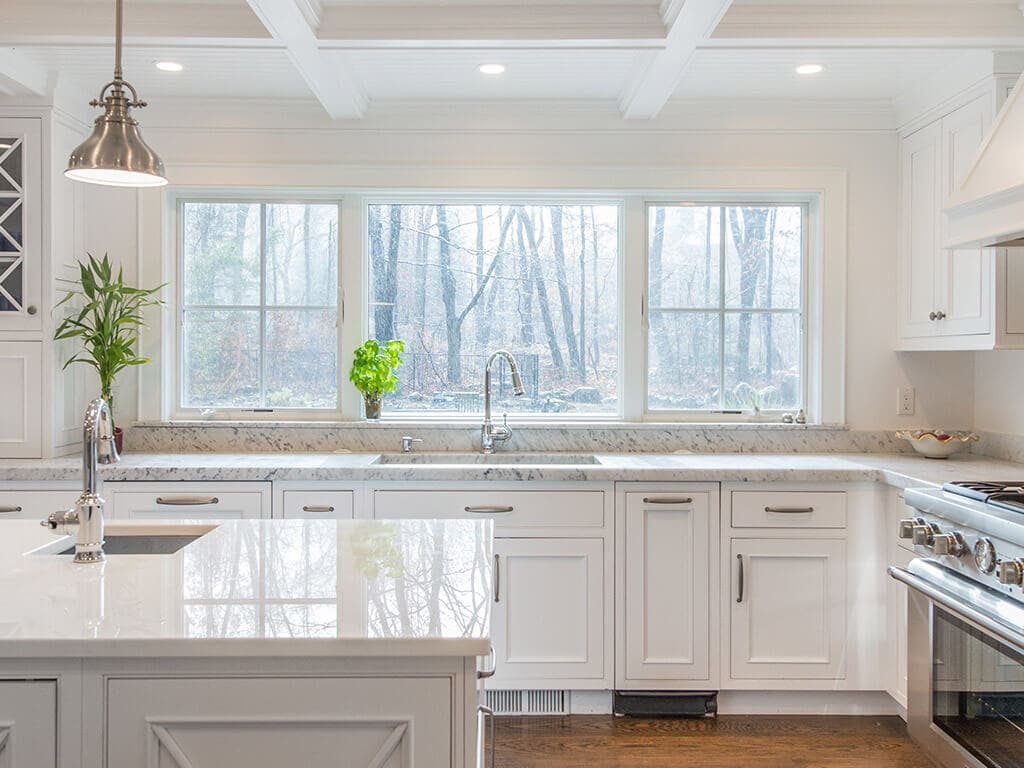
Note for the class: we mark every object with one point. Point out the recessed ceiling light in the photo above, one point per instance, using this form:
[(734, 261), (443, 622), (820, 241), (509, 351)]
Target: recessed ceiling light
[(809, 69), (492, 69), (168, 66)]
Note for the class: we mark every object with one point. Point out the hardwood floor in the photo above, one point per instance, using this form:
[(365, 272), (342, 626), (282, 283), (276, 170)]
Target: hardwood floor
[(730, 741)]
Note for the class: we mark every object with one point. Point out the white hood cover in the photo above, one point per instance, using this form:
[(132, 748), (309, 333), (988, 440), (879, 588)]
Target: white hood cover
[(988, 209)]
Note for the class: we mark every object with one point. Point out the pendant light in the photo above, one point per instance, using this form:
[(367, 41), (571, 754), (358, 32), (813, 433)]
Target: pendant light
[(115, 154)]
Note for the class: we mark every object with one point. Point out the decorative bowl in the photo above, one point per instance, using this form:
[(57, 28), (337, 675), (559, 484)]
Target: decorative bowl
[(936, 443)]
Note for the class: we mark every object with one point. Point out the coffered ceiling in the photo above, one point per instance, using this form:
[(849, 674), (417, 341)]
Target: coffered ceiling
[(353, 55)]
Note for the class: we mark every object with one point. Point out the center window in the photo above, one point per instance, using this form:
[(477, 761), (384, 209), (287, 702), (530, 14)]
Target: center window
[(457, 281)]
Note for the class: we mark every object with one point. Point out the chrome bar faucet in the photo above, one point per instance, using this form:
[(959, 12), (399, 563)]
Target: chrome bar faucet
[(490, 432), (87, 517)]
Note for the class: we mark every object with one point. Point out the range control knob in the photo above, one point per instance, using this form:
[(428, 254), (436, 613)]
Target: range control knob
[(924, 535), (907, 526), (1010, 572), (952, 544)]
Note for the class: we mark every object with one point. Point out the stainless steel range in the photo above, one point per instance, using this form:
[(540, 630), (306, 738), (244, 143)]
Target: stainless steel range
[(965, 632)]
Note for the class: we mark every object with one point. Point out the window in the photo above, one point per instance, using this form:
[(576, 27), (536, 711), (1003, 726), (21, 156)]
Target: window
[(258, 301), (726, 307), (458, 281)]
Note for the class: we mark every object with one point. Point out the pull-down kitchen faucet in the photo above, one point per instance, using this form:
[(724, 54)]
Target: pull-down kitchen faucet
[(490, 432), (87, 517)]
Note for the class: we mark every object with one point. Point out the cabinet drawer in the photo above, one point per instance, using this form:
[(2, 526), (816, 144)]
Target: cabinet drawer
[(509, 509), (788, 509), (34, 505), (336, 505), (193, 501)]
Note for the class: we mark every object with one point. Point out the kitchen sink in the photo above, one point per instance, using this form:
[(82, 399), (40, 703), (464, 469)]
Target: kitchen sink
[(518, 459), (141, 545)]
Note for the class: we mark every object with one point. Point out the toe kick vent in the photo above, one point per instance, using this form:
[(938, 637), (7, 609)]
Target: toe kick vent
[(528, 702)]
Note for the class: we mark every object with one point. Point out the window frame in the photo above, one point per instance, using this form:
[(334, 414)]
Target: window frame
[(823, 191), (722, 311), (178, 201)]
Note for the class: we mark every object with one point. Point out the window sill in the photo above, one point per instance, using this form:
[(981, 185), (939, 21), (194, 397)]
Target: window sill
[(397, 423)]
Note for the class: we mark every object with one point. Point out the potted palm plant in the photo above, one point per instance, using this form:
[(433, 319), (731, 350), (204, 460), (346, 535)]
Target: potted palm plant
[(107, 324), (373, 372)]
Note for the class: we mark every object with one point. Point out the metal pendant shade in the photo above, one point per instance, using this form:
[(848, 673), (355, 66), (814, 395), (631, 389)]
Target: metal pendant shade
[(115, 153)]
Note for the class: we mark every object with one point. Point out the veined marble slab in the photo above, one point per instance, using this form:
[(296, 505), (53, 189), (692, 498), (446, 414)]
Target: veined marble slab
[(900, 470), (254, 588)]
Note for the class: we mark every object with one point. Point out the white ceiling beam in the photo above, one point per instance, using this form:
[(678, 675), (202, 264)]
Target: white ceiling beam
[(20, 76), (653, 85), (335, 89)]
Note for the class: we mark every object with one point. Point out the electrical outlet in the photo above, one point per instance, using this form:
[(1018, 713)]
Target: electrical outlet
[(905, 401)]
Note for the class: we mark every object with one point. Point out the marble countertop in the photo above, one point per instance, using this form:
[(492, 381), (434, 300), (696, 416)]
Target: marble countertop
[(254, 588), (897, 469)]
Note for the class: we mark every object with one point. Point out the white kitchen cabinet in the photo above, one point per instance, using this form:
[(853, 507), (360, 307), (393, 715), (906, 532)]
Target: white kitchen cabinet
[(28, 723), (948, 298), (21, 242), (17, 504), (323, 504), (667, 557), (789, 609), (21, 415), (192, 501), (355, 721), (549, 616)]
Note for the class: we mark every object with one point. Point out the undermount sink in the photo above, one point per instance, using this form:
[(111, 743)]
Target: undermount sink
[(141, 545), (518, 459)]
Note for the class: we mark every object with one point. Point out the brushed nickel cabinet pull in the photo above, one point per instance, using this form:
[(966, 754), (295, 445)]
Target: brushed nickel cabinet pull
[(9, 509), (316, 508), (739, 596), (668, 500), (485, 510), (187, 501), (497, 577), (790, 510), (483, 674)]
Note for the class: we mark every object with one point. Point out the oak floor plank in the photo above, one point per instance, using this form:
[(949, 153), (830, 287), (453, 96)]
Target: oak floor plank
[(729, 741)]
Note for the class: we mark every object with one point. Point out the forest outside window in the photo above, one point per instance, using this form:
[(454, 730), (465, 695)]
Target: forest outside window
[(726, 307), (258, 298), (456, 281)]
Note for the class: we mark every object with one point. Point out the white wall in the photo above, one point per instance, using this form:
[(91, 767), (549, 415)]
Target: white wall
[(998, 398), (549, 148)]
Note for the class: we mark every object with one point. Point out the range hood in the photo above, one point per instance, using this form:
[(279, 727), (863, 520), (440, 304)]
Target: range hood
[(988, 209)]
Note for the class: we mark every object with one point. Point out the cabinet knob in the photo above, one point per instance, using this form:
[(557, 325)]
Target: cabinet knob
[(940, 315), (31, 309)]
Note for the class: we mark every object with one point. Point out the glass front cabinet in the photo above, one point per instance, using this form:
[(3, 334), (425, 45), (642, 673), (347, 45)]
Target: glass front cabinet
[(20, 224)]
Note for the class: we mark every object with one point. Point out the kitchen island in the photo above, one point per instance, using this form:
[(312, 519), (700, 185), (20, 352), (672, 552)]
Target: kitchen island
[(258, 643)]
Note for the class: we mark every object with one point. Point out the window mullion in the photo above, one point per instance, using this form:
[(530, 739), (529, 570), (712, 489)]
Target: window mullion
[(721, 308), (263, 305)]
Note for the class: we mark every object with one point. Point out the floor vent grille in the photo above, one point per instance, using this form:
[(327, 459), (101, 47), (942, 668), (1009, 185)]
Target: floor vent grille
[(528, 702)]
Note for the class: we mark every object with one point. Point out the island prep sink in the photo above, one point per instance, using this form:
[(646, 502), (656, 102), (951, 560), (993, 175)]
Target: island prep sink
[(141, 545), (518, 459)]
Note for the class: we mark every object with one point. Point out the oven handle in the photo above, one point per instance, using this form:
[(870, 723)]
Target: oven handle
[(956, 606)]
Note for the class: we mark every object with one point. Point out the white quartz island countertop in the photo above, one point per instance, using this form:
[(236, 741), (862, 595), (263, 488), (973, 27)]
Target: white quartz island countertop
[(896, 469), (253, 588)]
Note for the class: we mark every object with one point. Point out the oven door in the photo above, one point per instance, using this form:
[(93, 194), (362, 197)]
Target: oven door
[(965, 703)]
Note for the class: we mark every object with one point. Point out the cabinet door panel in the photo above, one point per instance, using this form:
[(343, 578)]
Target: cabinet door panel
[(791, 620), (28, 724), (34, 505), (20, 417), (334, 505), (920, 179), (193, 501), (548, 619), (965, 290), (270, 722), (667, 589), (21, 199)]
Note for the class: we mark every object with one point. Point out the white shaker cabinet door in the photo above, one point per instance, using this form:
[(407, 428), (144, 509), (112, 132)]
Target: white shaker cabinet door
[(21, 382), (28, 724), (667, 588), (788, 609), (549, 612), (920, 182)]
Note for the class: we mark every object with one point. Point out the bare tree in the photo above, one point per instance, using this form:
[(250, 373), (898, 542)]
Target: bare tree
[(564, 296), (537, 279)]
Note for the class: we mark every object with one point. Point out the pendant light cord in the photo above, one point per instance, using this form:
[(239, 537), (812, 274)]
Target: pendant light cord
[(118, 23)]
